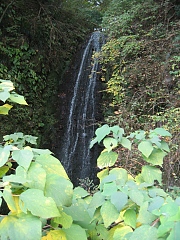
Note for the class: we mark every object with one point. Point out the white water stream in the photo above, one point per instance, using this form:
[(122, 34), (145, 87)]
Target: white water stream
[(76, 154)]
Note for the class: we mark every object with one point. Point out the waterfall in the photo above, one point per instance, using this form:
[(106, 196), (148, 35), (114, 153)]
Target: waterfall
[(76, 155)]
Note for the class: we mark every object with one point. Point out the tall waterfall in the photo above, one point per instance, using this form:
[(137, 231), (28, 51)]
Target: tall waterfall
[(76, 155)]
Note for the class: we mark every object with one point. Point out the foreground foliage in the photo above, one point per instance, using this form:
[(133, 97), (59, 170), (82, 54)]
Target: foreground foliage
[(44, 205)]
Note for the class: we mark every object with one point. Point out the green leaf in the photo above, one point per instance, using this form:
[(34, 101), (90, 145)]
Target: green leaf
[(136, 196), (102, 132), (120, 173), (100, 232), (80, 192), (93, 141), (64, 220), (120, 233), (146, 148), (151, 173), (22, 226), (130, 218), (145, 217), (155, 203), (102, 174), (51, 165), (4, 95), (4, 109), (34, 201), (156, 140), (107, 159), (165, 147), (3, 170), (17, 98), (175, 232), (60, 189), (15, 179), (110, 143), (23, 157), (36, 176), (119, 200), (116, 129), (78, 211), (55, 235), (75, 232), (7, 195), (109, 213), (109, 188), (144, 232), (6, 84), (156, 157), (4, 155), (125, 143), (162, 132), (40, 151), (169, 209), (97, 200)]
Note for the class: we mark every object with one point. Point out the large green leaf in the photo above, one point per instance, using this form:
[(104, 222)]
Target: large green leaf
[(120, 173), (99, 232), (97, 200), (162, 132), (146, 148), (75, 232), (175, 231), (4, 109), (65, 220), (7, 195), (144, 232), (20, 227), (17, 98), (55, 235), (121, 233), (33, 200), (151, 173), (102, 132), (23, 157), (107, 159), (36, 176), (52, 165), (6, 84), (145, 217), (60, 189), (155, 203), (130, 218), (125, 143), (136, 196), (4, 155), (19, 177), (119, 200), (78, 211), (79, 192), (110, 143), (156, 157), (4, 94), (109, 213), (109, 188), (3, 170)]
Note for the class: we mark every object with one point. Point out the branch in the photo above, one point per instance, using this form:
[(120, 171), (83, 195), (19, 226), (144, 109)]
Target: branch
[(6, 10)]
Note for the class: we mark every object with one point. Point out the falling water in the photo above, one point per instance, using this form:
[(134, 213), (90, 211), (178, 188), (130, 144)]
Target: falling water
[(76, 155)]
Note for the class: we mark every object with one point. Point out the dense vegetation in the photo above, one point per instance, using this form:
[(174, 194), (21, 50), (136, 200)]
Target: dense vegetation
[(140, 75), (141, 71), (37, 42)]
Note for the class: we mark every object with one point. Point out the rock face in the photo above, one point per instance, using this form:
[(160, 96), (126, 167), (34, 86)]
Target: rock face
[(79, 113)]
